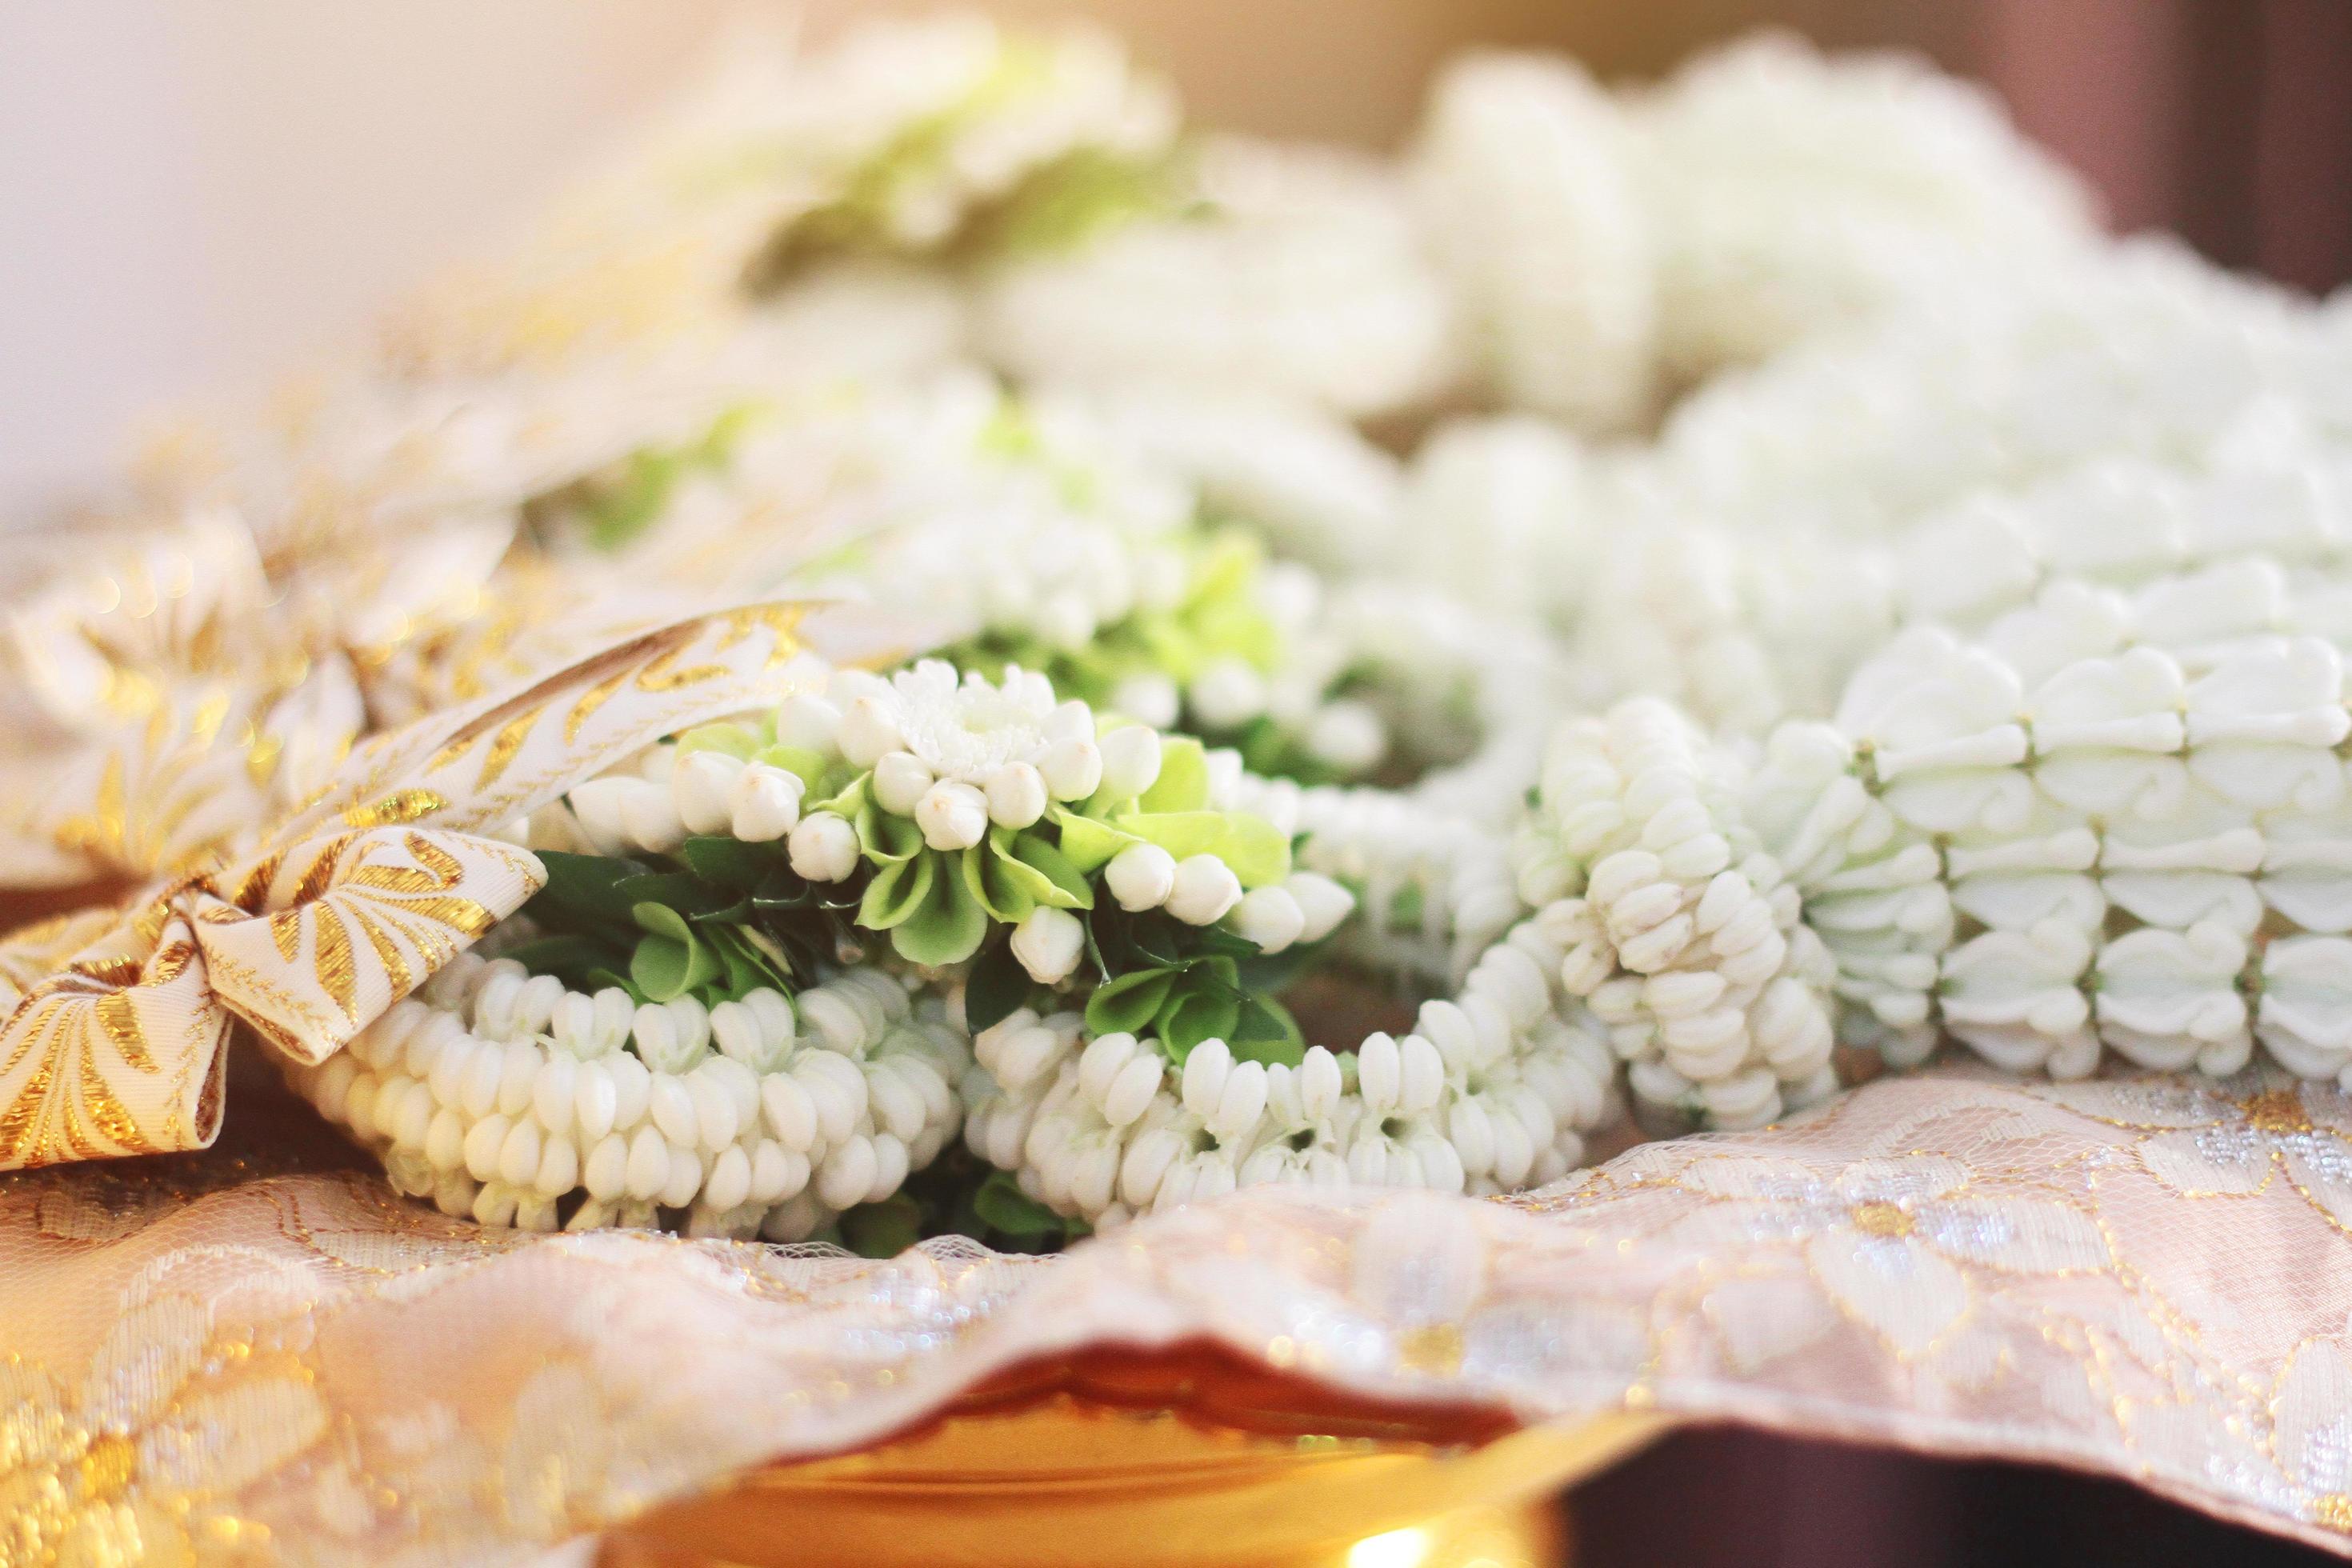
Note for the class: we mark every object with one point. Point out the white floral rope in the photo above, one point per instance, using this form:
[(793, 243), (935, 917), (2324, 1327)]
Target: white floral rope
[(1297, 273), (943, 850), (2123, 853)]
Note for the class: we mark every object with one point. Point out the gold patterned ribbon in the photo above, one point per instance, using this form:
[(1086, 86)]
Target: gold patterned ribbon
[(115, 1020)]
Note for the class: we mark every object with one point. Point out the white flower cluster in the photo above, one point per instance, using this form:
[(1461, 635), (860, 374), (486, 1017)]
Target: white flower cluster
[(1434, 887), (944, 115), (498, 1094), (1680, 933), (1492, 1090), (1605, 247), (1798, 196), (1304, 278), (2082, 840), (1527, 171)]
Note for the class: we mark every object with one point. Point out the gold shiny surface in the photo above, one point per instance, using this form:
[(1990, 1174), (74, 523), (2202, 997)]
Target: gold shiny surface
[(1078, 1465)]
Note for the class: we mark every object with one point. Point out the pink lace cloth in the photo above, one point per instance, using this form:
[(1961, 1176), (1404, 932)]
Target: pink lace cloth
[(2148, 1279)]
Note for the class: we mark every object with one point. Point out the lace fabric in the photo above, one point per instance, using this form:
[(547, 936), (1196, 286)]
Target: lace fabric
[(260, 1347)]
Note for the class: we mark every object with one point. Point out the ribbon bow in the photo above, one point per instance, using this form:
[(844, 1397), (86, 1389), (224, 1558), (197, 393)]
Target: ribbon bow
[(112, 1022)]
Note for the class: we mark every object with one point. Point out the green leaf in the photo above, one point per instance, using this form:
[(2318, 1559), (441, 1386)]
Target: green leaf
[(670, 960), (885, 1229), (948, 927), (1089, 844), (735, 740), (1041, 871), (623, 509), (683, 892), (1183, 780), (1003, 1207), (811, 766), (997, 987), (584, 890), (730, 863), (1194, 1013), (885, 836), (1265, 1032), (748, 967), (1128, 1005), (987, 879), (896, 891), (601, 979), (1254, 847), (566, 954)]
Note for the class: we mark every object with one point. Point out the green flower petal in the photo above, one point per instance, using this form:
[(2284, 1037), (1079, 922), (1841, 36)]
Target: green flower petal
[(1183, 780), (1041, 871), (898, 890), (987, 873), (670, 960), (1253, 846), (1128, 1005), (812, 766), (735, 740), (948, 927), (1087, 844)]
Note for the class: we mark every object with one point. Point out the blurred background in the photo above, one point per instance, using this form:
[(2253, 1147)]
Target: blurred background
[(190, 206), (192, 201)]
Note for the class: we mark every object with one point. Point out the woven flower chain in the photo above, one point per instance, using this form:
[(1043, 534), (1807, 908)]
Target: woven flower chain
[(2057, 839), (1032, 525), (784, 960)]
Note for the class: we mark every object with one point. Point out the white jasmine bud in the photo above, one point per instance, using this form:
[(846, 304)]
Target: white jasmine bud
[(808, 722), (1347, 735), (1242, 1101), (671, 1105), (868, 731), (764, 803), (1227, 694), (1322, 903), (952, 816), (1016, 795), (1269, 917), (572, 1027), (605, 1172), (702, 788), (1140, 876), (1065, 620), (730, 1178), (1149, 700), (535, 1007), (648, 1171), (1205, 888), (596, 805), (1130, 761), (1206, 1068), (789, 1112), (685, 1178), (1319, 1084), (594, 1101), (823, 848), (1224, 765), (1071, 768), (649, 816), (1048, 942), (900, 779), (655, 1034)]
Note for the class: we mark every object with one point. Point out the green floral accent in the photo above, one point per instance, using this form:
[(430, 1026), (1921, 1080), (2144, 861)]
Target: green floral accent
[(1219, 616), (614, 508), (1173, 814), (957, 1195), (1056, 206)]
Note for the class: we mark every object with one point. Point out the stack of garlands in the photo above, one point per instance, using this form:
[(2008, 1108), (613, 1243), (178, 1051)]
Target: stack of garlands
[(780, 963)]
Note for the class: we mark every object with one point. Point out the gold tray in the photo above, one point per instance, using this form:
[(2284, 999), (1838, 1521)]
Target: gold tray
[(1189, 1456)]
